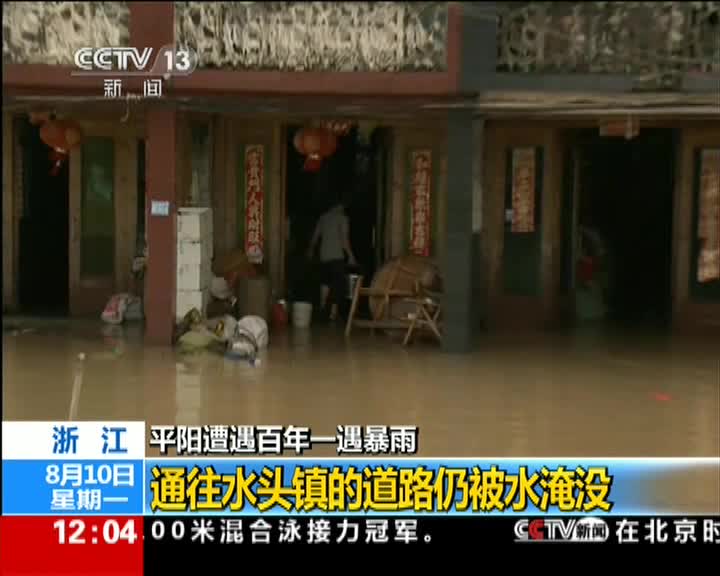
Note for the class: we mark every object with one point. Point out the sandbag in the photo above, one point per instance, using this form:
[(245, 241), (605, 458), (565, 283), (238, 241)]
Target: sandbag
[(197, 338), (242, 345), (223, 327), (257, 327), (191, 319)]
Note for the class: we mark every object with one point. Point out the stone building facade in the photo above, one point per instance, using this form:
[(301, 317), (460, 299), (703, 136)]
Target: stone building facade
[(467, 81)]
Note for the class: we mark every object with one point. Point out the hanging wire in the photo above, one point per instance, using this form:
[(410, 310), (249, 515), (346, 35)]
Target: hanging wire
[(126, 116), (129, 98)]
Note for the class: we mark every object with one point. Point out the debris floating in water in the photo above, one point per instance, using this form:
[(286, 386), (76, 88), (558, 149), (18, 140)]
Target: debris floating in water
[(661, 397)]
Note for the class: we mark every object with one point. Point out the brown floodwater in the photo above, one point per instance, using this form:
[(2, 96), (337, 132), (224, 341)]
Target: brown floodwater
[(587, 394)]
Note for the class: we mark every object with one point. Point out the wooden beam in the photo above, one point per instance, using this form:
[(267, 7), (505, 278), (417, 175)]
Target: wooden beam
[(283, 203), (8, 236), (231, 176), (274, 189), (397, 192), (692, 138), (75, 209), (219, 184)]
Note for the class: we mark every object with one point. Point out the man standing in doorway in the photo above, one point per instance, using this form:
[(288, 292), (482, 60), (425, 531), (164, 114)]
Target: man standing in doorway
[(333, 232)]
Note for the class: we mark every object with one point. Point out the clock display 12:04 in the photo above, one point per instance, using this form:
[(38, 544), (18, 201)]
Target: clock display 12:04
[(110, 531)]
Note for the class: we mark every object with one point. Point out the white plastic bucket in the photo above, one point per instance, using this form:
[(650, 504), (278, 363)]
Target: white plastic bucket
[(301, 314)]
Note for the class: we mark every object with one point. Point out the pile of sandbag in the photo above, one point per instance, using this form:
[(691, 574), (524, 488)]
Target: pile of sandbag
[(238, 338), (241, 339)]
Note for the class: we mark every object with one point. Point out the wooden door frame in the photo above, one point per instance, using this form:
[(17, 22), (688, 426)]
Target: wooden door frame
[(520, 312), (573, 154), (87, 294), (689, 314), (10, 216)]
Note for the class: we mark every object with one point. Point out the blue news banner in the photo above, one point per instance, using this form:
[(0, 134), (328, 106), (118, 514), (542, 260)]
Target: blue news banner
[(88, 469)]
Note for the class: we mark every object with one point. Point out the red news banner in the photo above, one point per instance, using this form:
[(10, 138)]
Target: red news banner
[(111, 546)]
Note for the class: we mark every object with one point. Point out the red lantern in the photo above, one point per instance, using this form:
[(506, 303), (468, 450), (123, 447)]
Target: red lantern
[(311, 141), (313, 163), (298, 141), (58, 159), (73, 133), (315, 144), (53, 134), (328, 143)]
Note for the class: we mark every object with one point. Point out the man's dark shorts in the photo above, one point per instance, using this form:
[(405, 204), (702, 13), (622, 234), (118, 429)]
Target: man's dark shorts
[(332, 274)]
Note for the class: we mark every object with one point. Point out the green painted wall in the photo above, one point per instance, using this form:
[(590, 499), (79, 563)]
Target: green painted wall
[(97, 237)]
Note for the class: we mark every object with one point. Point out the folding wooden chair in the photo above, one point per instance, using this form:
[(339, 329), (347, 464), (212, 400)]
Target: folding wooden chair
[(428, 308), (386, 294)]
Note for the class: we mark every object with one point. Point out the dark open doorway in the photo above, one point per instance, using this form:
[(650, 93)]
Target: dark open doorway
[(43, 229), (355, 175), (619, 205)]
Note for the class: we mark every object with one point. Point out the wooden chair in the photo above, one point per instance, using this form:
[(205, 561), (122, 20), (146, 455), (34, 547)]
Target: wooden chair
[(380, 316), (427, 315)]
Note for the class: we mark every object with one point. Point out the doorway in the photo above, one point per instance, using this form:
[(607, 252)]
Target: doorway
[(43, 279), (355, 174), (619, 206)]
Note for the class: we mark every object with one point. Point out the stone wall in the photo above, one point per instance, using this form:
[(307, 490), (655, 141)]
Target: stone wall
[(643, 38), (51, 32), (294, 36)]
